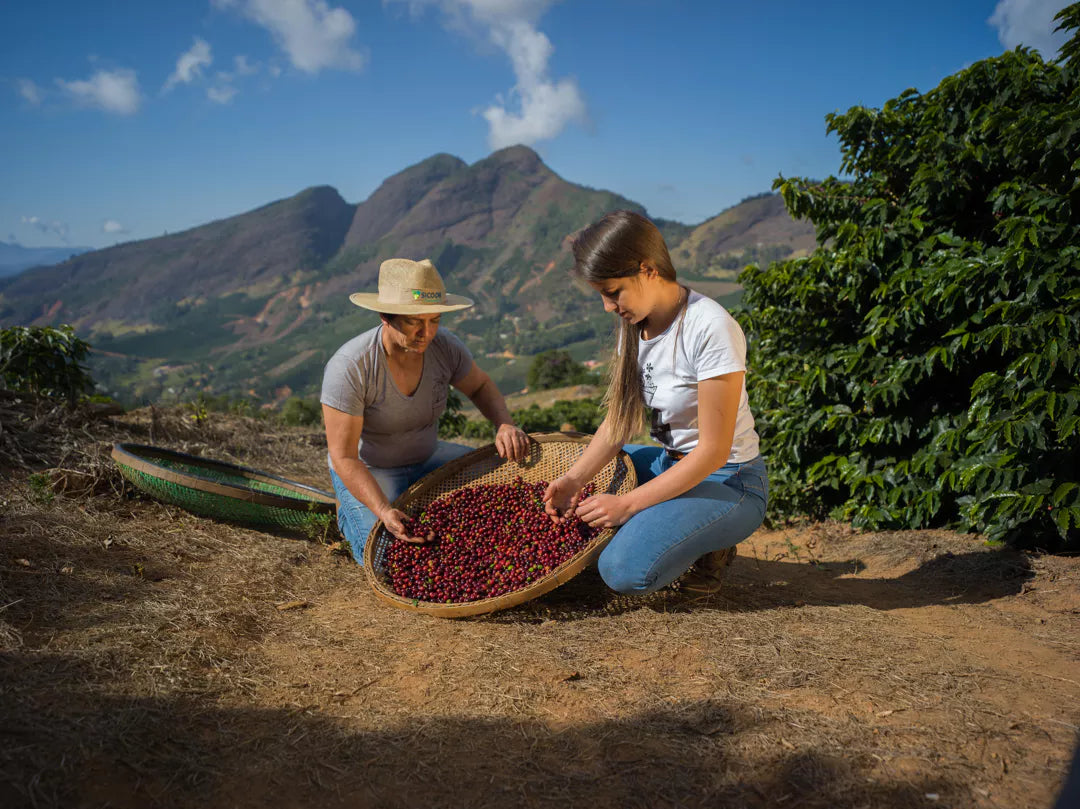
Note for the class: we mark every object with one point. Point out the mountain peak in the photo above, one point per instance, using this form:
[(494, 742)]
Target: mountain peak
[(518, 158), (397, 195), (442, 162), (320, 195), (319, 191)]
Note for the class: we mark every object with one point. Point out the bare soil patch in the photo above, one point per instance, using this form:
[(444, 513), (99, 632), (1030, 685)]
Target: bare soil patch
[(154, 658)]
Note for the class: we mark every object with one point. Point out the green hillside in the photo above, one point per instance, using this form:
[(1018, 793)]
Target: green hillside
[(254, 305)]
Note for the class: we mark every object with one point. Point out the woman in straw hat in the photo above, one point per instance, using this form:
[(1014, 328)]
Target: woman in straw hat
[(681, 354), (383, 393)]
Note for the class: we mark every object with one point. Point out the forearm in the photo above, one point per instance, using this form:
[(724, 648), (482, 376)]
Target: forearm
[(361, 483), (595, 457), (491, 404), (698, 464)]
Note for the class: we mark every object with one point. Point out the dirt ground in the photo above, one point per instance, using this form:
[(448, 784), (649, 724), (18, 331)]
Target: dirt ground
[(149, 657)]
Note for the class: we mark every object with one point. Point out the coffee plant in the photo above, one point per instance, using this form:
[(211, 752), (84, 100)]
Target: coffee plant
[(298, 412), (557, 369), (920, 368), (44, 360)]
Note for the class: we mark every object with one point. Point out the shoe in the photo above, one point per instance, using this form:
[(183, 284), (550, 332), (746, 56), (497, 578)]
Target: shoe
[(706, 576)]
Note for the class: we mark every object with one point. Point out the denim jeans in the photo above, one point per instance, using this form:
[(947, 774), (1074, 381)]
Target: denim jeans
[(657, 545), (356, 520)]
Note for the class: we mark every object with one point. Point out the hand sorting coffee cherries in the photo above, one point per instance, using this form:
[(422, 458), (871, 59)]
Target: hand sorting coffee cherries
[(487, 541)]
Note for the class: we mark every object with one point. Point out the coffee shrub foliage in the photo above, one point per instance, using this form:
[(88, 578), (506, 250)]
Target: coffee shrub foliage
[(44, 360), (920, 367)]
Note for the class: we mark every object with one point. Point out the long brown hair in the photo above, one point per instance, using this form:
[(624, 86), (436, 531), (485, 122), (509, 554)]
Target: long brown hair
[(615, 247)]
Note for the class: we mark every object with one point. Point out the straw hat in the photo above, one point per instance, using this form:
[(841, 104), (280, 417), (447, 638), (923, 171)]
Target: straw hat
[(410, 288)]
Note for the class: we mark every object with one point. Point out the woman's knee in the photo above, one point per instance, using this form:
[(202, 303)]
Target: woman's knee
[(622, 575)]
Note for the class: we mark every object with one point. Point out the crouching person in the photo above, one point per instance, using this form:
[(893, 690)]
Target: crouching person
[(382, 395)]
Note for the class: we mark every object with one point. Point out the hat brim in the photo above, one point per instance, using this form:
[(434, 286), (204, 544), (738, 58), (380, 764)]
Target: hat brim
[(370, 300)]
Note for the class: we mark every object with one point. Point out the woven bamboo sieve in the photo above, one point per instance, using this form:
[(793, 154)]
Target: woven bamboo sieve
[(550, 455), (219, 489)]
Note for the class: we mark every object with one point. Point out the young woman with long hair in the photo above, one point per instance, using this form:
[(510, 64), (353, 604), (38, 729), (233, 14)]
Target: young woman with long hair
[(681, 355)]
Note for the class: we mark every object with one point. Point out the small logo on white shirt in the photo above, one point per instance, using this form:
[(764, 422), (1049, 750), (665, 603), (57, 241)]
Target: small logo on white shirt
[(647, 383)]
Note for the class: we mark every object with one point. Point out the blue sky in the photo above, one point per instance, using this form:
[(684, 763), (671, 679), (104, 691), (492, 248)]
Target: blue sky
[(124, 120)]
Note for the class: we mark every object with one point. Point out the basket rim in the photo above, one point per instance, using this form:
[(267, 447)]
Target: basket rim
[(460, 609), (139, 457)]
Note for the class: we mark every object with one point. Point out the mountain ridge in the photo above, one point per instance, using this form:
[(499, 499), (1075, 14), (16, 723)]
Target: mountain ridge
[(233, 302)]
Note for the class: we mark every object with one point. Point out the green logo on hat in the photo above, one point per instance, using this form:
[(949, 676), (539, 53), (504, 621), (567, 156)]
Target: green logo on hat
[(426, 296)]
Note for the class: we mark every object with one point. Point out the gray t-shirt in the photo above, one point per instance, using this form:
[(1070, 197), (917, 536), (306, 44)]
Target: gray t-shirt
[(399, 430)]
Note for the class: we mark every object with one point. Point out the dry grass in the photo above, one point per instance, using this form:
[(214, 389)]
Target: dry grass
[(147, 661)]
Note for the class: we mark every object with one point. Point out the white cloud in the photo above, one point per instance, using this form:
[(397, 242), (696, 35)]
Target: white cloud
[(537, 107), (110, 90), (224, 89), (190, 64), (112, 226), (58, 228), (221, 94), (546, 107), (486, 11), (29, 91), (243, 67), (1030, 23), (312, 34)]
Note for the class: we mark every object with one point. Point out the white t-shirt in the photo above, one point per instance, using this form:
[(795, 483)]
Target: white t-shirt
[(710, 343)]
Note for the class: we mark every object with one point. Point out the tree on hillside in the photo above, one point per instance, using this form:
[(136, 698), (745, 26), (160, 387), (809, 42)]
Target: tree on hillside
[(556, 369), (920, 368)]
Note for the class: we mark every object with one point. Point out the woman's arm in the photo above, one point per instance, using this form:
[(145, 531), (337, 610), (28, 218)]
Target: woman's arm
[(561, 496), (718, 406), (342, 439), (510, 440)]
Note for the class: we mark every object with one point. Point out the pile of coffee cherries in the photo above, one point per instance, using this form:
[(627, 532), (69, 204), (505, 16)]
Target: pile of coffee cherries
[(487, 540)]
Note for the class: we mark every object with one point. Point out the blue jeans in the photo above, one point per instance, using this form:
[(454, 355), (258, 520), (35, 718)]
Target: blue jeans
[(356, 520), (657, 545)]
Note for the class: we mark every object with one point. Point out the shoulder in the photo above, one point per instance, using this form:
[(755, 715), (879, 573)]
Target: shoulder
[(350, 373), (715, 339), (448, 343), (707, 315), (360, 350), (702, 306), (360, 345), (714, 336)]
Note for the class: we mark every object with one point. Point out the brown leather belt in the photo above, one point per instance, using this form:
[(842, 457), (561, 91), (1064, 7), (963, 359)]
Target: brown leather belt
[(675, 456)]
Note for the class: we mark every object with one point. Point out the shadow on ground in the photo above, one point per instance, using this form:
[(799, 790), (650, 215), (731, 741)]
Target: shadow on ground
[(754, 584), (189, 751)]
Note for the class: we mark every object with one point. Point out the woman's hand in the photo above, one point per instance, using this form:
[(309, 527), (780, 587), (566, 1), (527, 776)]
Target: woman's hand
[(511, 442), (605, 510), (561, 498), (394, 520)]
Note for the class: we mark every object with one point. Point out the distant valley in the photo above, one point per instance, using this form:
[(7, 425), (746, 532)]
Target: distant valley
[(14, 258), (253, 305)]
